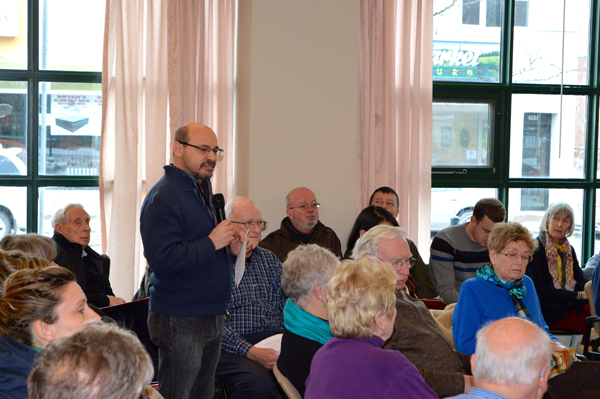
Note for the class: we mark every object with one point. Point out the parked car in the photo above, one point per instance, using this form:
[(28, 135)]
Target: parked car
[(13, 206), (452, 206)]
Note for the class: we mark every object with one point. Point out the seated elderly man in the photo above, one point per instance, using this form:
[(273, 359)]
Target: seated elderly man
[(100, 362), (511, 361), (255, 309), (72, 238), (301, 226), (416, 334)]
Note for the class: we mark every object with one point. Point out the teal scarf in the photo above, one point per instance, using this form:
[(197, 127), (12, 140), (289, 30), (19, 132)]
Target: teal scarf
[(304, 324), (516, 289)]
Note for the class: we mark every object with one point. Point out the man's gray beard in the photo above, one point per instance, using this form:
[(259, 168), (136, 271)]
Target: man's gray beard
[(309, 226)]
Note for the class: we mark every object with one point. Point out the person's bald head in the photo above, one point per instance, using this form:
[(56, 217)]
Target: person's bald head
[(511, 351), (302, 209)]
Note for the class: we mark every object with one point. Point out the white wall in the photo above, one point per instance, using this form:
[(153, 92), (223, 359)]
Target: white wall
[(297, 105)]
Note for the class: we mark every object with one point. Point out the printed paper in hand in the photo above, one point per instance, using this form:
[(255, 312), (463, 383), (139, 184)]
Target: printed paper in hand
[(240, 263)]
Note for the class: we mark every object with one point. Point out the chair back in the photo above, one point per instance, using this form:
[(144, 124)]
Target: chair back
[(589, 291), (286, 385)]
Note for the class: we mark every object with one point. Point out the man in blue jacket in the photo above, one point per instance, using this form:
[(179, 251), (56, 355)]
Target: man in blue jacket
[(191, 281)]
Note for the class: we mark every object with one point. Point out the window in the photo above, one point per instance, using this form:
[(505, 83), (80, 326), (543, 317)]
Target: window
[(470, 12), (521, 12), (50, 111), (522, 124)]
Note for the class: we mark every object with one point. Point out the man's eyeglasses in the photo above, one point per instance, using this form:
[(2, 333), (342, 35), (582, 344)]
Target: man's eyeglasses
[(205, 149), (513, 256), (397, 263), (304, 207), (262, 224)]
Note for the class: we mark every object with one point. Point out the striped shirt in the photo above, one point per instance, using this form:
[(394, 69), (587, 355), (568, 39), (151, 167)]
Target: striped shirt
[(454, 258), (478, 393)]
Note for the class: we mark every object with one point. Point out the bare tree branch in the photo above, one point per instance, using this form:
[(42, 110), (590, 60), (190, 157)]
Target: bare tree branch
[(445, 9)]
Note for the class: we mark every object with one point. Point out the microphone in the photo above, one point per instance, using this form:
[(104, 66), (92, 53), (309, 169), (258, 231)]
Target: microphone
[(219, 204)]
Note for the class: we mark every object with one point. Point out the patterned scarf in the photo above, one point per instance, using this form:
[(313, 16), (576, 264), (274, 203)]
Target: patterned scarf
[(304, 324), (562, 275), (516, 289)]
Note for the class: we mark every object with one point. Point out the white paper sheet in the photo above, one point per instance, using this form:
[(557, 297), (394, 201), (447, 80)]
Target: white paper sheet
[(273, 342), (240, 263)]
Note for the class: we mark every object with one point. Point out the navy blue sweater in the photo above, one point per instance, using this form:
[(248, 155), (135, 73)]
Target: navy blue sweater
[(190, 278)]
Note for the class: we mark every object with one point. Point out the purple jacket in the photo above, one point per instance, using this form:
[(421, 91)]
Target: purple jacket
[(359, 368)]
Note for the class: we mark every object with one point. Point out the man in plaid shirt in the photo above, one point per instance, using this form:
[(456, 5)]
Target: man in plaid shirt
[(255, 309)]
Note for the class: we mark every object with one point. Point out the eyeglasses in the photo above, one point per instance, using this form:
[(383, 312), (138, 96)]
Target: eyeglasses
[(513, 256), (262, 224), (304, 207), (205, 149), (397, 263)]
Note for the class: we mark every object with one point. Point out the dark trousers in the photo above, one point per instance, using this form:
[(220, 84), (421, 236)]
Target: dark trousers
[(581, 381), (247, 378), (188, 353)]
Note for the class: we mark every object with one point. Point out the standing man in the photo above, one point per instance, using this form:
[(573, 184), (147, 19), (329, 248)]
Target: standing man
[(458, 251), (387, 198), (191, 280), (301, 226)]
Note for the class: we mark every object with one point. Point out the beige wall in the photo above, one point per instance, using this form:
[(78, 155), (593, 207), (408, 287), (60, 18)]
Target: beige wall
[(296, 107)]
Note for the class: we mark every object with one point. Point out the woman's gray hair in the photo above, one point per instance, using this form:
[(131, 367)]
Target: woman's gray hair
[(368, 243), (558, 208), (61, 215), (518, 364), (306, 268)]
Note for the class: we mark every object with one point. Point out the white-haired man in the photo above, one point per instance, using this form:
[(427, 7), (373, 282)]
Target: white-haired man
[(255, 309), (416, 334), (72, 237), (511, 361)]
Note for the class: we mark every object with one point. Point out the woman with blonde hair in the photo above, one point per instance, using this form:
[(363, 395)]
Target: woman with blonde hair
[(361, 306)]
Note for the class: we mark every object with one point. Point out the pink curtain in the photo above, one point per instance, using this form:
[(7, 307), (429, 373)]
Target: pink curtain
[(393, 143), (166, 63)]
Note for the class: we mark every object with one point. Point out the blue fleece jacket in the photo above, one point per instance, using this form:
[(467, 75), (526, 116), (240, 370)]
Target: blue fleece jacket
[(481, 302)]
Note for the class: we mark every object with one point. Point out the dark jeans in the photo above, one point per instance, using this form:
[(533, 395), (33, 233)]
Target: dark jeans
[(247, 378), (188, 353)]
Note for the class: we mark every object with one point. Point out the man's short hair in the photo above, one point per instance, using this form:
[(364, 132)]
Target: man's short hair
[(103, 361), (386, 190), (368, 243), (61, 215), (306, 268), (518, 364), (181, 134), (490, 207)]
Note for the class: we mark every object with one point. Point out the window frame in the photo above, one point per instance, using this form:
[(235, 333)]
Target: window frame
[(32, 75), (503, 91)]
